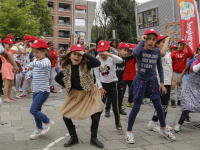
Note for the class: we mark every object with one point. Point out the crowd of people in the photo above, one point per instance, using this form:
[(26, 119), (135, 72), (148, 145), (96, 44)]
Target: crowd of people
[(98, 76)]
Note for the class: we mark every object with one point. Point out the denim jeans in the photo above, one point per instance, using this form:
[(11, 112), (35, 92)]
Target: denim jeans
[(38, 100)]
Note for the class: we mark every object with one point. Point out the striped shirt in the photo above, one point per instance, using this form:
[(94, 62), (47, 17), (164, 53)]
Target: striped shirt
[(40, 75)]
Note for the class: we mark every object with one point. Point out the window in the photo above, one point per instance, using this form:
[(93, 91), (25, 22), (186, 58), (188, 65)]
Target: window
[(80, 33), (80, 9), (64, 7), (64, 20), (79, 22), (65, 46), (64, 34), (148, 18), (48, 35), (50, 5)]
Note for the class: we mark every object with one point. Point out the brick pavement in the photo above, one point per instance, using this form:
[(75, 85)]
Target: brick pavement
[(20, 124)]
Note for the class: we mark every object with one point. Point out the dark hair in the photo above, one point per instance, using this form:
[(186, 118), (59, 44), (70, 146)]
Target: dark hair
[(114, 40), (79, 39), (65, 60), (47, 53), (18, 38), (198, 49), (49, 43), (98, 40)]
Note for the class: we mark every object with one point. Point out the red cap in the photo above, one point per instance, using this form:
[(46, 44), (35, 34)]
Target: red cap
[(33, 38), (132, 46), (8, 41), (10, 36), (161, 37), (39, 43), (77, 47), (151, 31), (198, 46), (173, 46), (27, 37), (123, 45), (181, 40), (1, 41), (103, 46)]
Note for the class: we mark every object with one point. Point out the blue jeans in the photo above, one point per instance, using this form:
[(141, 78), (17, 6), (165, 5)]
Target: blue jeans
[(38, 100)]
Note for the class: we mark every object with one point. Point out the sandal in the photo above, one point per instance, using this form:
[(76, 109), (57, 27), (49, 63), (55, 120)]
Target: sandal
[(13, 99), (8, 101)]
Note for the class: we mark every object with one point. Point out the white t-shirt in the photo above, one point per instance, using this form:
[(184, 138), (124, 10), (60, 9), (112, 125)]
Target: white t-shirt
[(1, 49), (167, 68)]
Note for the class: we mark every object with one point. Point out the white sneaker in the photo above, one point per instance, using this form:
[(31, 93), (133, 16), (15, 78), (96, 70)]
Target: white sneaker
[(36, 134), (20, 89), (168, 127), (60, 91), (177, 128), (49, 127), (168, 134), (153, 126), (129, 138)]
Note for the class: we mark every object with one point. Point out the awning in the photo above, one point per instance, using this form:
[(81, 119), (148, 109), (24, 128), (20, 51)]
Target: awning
[(81, 7)]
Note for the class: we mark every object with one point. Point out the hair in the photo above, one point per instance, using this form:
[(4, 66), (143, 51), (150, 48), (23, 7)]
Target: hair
[(65, 60), (79, 39), (114, 40), (98, 40), (49, 43), (47, 53)]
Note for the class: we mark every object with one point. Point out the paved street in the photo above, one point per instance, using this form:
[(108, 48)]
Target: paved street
[(20, 124)]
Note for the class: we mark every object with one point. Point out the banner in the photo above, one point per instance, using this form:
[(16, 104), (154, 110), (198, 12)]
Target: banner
[(189, 22)]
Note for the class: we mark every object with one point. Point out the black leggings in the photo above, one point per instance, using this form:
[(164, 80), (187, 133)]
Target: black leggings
[(165, 102), (112, 94), (130, 96), (95, 121), (1, 82), (184, 114)]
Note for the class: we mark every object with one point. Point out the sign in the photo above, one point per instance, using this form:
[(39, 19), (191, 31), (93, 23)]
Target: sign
[(189, 22)]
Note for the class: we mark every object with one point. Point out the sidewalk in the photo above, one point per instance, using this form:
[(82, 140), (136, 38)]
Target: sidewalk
[(15, 134)]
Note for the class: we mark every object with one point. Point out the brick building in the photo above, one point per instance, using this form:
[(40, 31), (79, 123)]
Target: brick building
[(70, 17)]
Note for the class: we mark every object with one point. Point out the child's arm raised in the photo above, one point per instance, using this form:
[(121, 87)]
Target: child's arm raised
[(196, 68), (40, 64), (164, 48), (59, 77), (116, 59), (190, 52), (136, 51)]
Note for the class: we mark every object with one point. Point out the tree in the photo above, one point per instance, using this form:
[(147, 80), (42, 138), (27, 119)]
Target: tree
[(17, 21), (42, 13), (121, 14)]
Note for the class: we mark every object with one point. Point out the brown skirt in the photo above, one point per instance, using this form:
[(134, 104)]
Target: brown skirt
[(82, 104)]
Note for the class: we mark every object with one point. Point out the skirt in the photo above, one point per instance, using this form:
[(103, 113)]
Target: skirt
[(141, 89), (82, 104), (7, 72)]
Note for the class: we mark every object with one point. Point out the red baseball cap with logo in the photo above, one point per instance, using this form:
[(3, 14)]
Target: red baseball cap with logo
[(27, 37), (151, 31), (198, 46), (77, 47), (8, 41), (173, 46), (103, 46), (39, 43), (181, 41), (132, 46), (123, 45), (33, 38), (10, 36), (161, 37)]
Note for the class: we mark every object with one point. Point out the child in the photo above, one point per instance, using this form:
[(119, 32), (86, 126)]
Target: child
[(129, 74), (173, 48), (190, 95), (145, 84), (107, 80), (7, 73), (54, 58), (179, 60), (84, 98), (169, 83), (39, 71)]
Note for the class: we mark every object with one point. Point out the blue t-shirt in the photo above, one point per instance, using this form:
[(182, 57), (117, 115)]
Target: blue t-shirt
[(147, 60), (31, 56), (191, 61)]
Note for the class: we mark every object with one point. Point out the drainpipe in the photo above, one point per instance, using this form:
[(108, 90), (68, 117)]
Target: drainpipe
[(136, 20)]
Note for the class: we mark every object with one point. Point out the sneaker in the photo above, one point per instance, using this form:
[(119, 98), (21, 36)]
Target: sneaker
[(20, 89), (17, 94), (173, 103), (21, 96), (119, 129), (168, 134), (123, 107), (168, 127), (153, 126), (36, 134), (177, 128), (129, 138), (179, 103), (49, 127), (129, 105), (60, 91), (187, 119), (122, 112), (107, 114)]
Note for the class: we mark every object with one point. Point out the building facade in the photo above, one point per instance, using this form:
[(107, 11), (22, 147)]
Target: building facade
[(70, 17), (153, 15)]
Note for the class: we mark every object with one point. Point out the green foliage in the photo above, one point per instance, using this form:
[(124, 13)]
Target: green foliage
[(17, 20), (121, 14), (42, 13)]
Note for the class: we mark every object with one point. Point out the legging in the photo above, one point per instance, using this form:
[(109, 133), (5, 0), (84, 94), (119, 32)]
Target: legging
[(1, 82), (18, 81), (95, 121), (26, 86), (184, 114), (52, 76), (136, 107)]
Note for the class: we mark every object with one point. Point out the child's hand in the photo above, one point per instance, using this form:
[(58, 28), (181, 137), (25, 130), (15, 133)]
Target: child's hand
[(144, 37), (61, 50), (106, 53), (103, 93), (168, 38), (80, 52), (164, 90), (30, 68), (173, 85), (185, 44), (29, 79), (179, 82)]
